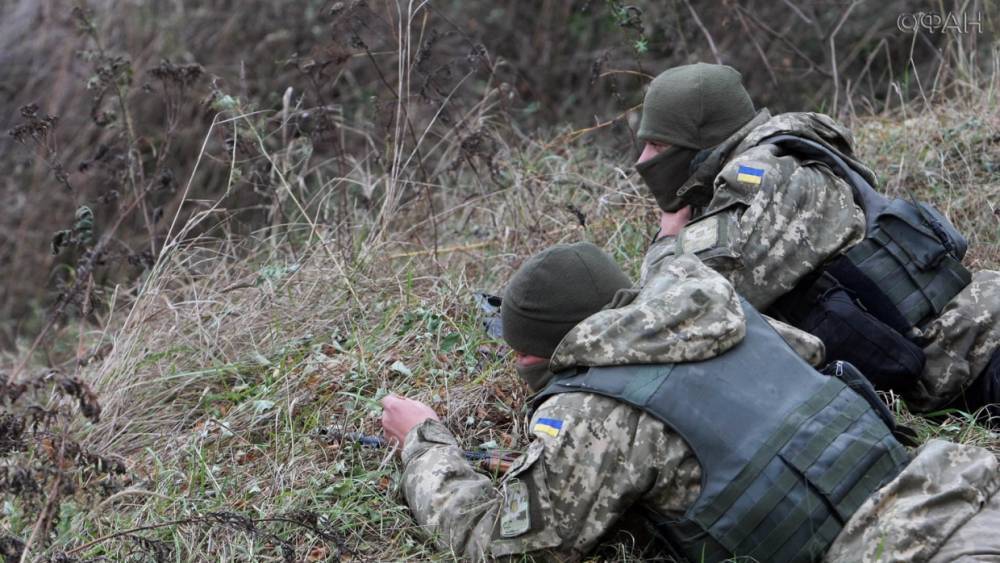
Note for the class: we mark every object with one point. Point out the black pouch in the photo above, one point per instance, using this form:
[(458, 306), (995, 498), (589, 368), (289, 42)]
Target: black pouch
[(851, 334)]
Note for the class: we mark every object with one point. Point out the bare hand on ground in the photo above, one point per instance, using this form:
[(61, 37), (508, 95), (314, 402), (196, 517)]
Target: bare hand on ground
[(400, 414)]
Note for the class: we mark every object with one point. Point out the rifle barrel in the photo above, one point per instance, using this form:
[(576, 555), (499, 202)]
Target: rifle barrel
[(379, 442)]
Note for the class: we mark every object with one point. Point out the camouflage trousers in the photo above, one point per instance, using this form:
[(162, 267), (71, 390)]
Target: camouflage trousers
[(960, 343), (977, 540), (944, 506)]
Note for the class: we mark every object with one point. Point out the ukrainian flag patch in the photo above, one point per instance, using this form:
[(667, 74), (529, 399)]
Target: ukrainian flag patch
[(750, 175), (548, 426)]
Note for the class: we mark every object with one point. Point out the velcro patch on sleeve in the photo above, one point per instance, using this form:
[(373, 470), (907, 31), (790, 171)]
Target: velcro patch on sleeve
[(515, 518), (699, 236)]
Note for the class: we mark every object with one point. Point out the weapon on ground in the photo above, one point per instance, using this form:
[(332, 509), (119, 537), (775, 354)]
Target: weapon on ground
[(493, 461)]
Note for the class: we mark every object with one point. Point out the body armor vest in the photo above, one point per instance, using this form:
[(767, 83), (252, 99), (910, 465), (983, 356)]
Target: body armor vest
[(787, 454), (909, 265)]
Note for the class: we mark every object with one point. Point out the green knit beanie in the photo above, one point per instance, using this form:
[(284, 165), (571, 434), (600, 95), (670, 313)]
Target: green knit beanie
[(695, 106), (553, 291)]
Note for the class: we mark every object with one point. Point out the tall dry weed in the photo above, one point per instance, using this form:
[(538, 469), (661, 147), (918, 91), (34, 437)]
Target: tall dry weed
[(308, 198)]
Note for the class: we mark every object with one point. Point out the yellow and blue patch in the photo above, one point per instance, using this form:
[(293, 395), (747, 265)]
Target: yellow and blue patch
[(750, 175), (548, 426)]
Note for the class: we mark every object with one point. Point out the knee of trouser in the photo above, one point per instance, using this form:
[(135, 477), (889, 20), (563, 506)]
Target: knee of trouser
[(985, 391)]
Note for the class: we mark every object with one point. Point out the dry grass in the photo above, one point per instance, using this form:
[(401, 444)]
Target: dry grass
[(217, 373), (237, 352), (947, 153), (337, 68)]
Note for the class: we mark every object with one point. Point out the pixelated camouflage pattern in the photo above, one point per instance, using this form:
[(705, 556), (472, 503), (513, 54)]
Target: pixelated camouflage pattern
[(685, 312), (810, 125), (457, 506), (960, 342), (977, 539), (800, 216), (607, 457), (942, 507), (795, 219)]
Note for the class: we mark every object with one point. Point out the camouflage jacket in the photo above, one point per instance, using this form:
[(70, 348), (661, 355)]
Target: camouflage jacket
[(767, 220), (592, 458)]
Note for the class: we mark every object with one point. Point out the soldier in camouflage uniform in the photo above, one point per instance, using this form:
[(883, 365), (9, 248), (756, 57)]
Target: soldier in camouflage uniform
[(595, 461), (766, 220)]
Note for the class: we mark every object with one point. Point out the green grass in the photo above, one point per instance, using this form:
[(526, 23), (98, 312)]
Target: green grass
[(224, 369)]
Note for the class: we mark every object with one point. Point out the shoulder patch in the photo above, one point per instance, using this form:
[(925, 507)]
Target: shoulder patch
[(699, 236), (548, 426), (516, 516), (750, 174)]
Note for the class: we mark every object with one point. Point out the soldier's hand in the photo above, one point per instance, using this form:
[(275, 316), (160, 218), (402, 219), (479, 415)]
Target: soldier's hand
[(400, 414), (672, 223)]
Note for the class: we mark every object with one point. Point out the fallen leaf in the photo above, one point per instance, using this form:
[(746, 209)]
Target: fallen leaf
[(318, 553), (400, 368), (261, 405)]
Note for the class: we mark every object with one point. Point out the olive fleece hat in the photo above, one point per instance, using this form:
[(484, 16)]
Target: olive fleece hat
[(695, 106), (553, 291)]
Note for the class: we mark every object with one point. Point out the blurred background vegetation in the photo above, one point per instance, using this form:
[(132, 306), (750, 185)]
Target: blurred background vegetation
[(229, 227), (135, 86)]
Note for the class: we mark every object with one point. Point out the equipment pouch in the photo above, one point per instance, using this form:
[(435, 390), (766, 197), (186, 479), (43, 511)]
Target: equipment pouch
[(858, 383), (922, 232), (913, 254), (711, 238), (852, 334)]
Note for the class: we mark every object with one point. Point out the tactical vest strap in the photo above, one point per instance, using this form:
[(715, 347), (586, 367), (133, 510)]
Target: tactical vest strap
[(789, 479), (883, 470), (766, 453), (817, 546)]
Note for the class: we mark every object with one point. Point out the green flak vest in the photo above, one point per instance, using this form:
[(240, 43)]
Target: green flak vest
[(787, 453), (909, 265)]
